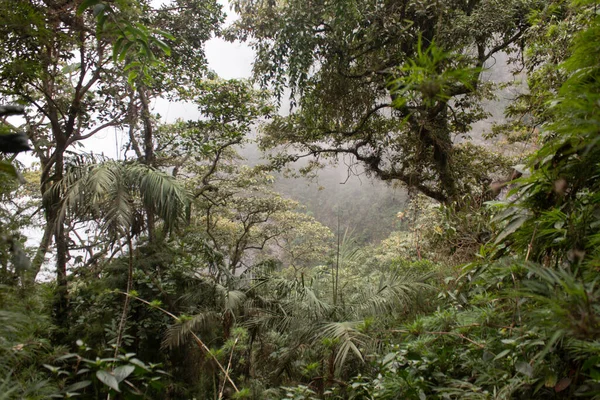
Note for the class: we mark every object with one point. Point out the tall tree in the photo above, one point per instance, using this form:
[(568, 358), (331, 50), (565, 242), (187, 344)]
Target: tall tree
[(189, 24), (75, 65), (390, 83), (53, 61)]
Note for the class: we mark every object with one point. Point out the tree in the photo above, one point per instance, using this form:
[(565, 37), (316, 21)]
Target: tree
[(555, 211), (185, 26), (81, 67), (525, 319), (113, 195), (244, 222), (296, 316), (392, 84)]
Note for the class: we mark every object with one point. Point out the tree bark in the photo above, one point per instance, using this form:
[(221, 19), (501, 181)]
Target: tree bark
[(61, 298), (148, 154), (40, 255)]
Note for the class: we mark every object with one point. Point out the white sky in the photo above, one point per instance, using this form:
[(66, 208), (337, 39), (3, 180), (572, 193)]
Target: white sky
[(228, 60)]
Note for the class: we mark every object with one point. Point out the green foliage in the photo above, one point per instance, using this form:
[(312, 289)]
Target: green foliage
[(78, 376), (133, 42), (387, 86), (242, 294), (116, 192), (519, 327), (25, 333), (556, 206), (419, 79)]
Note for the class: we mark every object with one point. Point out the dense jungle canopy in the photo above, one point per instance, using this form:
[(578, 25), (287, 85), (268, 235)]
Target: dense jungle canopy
[(192, 266)]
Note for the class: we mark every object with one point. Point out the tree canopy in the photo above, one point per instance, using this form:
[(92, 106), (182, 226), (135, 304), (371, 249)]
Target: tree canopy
[(393, 84), (180, 271)]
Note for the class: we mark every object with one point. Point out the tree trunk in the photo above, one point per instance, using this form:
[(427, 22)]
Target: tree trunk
[(61, 297), (40, 255), (61, 301), (148, 154)]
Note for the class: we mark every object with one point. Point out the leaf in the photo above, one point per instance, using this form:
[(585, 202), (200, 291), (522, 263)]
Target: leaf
[(501, 354), (117, 48), (79, 385), (145, 49), (164, 34), (389, 357), (123, 372), (85, 4), (99, 9), (562, 384), (487, 356), (67, 356), (102, 18), (511, 228), (9, 169), (125, 50), (163, 46), (52, 368), (139, 363), (131, 77), (138, 32), (590, 363), (522, 168), (132, 65), (108, 379), (524, 368), (550, 380)]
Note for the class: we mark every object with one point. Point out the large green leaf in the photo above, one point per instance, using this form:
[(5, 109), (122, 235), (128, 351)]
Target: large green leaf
[(122, 372), (85, 4), (9, 169), (77, 386), (108, 379)]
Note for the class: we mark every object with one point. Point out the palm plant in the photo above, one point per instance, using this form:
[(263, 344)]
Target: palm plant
[(209, 304), (314, 328), (390, 293), (24, 345), (114, 195)]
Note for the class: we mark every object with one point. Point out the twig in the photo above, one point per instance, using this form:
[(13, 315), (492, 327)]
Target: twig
[(126, 305), (228, 366), (530, 245)]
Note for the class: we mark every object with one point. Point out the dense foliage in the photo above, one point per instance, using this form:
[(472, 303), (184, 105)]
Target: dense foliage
[(390, 84), (180, 272)]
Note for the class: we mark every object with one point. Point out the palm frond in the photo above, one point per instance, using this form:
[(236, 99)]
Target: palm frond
[(564, 300), (348, 338), (300, 297), (234, 300), (398, 291), (110, 190), (178, 333), (160, 192)]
